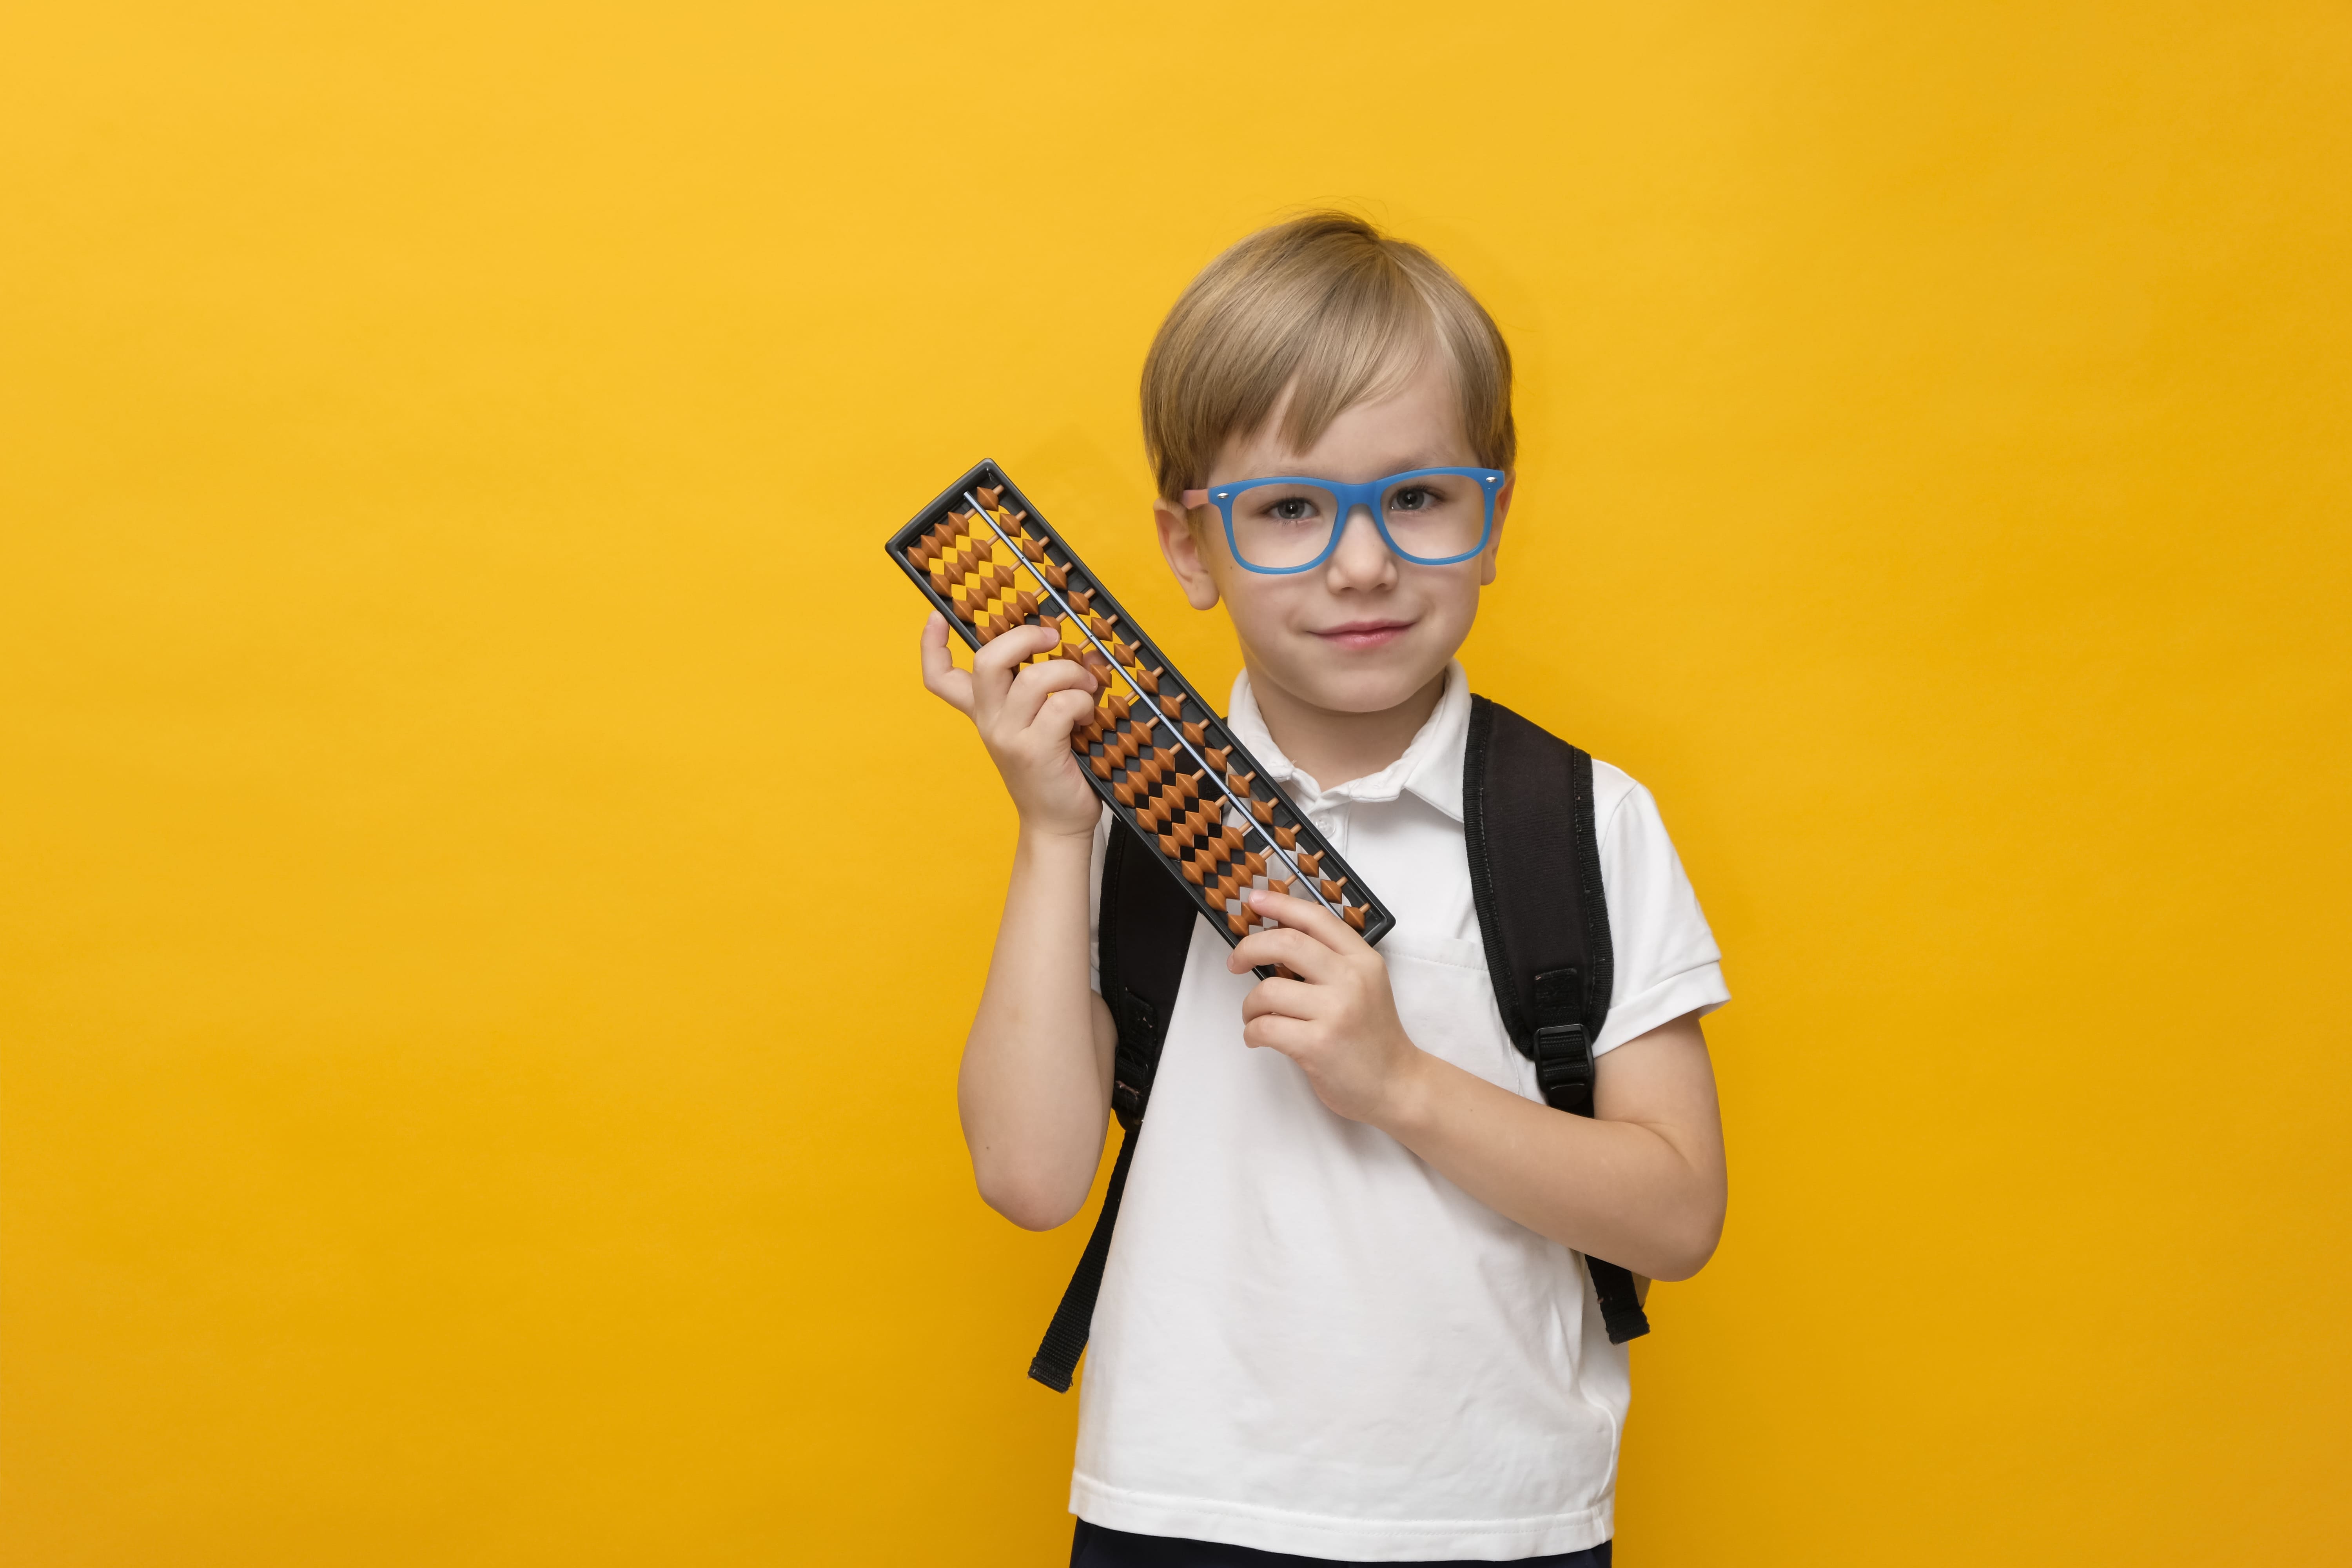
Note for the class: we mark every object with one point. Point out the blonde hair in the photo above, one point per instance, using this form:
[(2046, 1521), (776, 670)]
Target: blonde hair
[(1331, 309)]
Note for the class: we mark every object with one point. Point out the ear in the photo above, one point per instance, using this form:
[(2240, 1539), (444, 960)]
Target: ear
[(1487, 559), (1180, 543)]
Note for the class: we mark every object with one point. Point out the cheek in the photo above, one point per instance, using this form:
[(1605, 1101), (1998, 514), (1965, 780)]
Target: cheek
[(1451, 595), (1262, 607)]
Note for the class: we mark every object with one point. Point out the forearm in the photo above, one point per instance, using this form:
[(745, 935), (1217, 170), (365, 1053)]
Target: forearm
[(1035, 1089), (1644, 1194)]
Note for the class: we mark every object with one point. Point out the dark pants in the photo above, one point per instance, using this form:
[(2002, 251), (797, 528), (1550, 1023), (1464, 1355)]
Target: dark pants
[(1096, 1547)]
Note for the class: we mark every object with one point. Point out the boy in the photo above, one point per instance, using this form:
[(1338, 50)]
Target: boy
[(1344, 1316)]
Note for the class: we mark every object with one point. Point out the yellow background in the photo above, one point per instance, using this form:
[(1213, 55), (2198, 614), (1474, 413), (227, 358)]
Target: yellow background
[(488, 915)]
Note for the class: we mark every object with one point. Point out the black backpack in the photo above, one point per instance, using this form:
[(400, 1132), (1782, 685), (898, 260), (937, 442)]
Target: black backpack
[(1535, 877)]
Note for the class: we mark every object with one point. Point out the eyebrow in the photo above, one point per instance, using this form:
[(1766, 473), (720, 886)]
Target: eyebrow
[(1423, 460)]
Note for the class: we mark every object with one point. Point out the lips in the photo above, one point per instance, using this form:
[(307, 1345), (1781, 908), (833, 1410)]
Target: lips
[(1365, 634)]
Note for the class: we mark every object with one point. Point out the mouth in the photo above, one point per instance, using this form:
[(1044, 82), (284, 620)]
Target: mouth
[(1361, 634)]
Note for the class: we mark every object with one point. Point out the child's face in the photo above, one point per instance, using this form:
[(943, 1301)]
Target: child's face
[(1363, 632)]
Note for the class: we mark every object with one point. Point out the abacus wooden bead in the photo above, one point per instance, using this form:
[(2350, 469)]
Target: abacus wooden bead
[(1239, 920), (1192, 872), (1278, 885), (1331, 889), (990, 495), (1353, 914), (1311, 863), (1262, 809), (1287, 838), (1217, 756), (1254, 864)]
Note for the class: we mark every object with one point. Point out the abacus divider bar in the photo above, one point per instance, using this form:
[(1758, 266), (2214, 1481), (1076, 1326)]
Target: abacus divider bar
[(1249, 821)]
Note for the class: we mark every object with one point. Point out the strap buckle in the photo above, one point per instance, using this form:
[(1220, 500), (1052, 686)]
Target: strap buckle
[(1564, 1067), (1131, 1063)]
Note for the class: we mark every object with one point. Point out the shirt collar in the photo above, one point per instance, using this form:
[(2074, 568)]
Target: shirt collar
[(1431, 767)]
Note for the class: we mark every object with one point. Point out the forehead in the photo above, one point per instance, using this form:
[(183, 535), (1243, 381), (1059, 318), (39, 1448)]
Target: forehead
[(1410, 419)]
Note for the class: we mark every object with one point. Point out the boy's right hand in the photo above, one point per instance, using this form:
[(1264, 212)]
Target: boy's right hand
[(1024, 718)]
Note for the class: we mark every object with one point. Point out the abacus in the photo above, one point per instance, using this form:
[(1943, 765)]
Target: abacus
[(1152, 748)]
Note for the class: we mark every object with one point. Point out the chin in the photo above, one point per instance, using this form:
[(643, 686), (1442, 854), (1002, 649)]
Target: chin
[(1362, 690)]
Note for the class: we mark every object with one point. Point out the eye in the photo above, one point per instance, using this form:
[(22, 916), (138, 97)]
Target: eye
[(1290, 509), (1412, 497)]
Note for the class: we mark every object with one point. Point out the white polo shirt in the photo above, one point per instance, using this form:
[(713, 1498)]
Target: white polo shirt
[(1307, 1340)]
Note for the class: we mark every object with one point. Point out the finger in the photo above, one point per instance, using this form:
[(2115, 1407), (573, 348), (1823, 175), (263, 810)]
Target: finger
[(1276, 1032), (991, 667), (1313, 962), (1306, 915), (1059, 716), (1287, 998), (1032, 683), (942, 679)]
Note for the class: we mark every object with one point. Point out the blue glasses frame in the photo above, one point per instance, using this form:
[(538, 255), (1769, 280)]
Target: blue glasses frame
[(1350, 497)]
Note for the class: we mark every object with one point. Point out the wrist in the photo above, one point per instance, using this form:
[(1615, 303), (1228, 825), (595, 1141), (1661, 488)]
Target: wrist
[(1055, 842), (1408, 1099)]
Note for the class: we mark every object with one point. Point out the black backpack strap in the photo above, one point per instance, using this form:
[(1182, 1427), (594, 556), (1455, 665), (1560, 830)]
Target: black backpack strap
[(1535, 876), (1146, 925)]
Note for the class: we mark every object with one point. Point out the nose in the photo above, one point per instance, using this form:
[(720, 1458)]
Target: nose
[(1362, 558)]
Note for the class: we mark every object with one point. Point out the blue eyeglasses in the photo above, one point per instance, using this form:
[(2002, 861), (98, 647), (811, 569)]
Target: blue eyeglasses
[(1431, 517)]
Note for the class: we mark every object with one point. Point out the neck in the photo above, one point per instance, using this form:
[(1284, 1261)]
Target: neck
[(1334, 747)]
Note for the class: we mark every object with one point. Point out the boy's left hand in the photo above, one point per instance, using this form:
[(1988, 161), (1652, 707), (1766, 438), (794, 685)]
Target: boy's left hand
[(1338, 1020)]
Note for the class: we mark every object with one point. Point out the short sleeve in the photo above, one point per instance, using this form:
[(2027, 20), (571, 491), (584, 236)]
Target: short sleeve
[(1101, 852), (1666, 962)]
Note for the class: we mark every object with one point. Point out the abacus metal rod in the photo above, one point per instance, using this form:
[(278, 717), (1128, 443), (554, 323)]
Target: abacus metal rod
[(1249, 821)]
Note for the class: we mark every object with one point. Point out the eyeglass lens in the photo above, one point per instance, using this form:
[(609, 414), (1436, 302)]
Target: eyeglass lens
[(1431, 517)]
